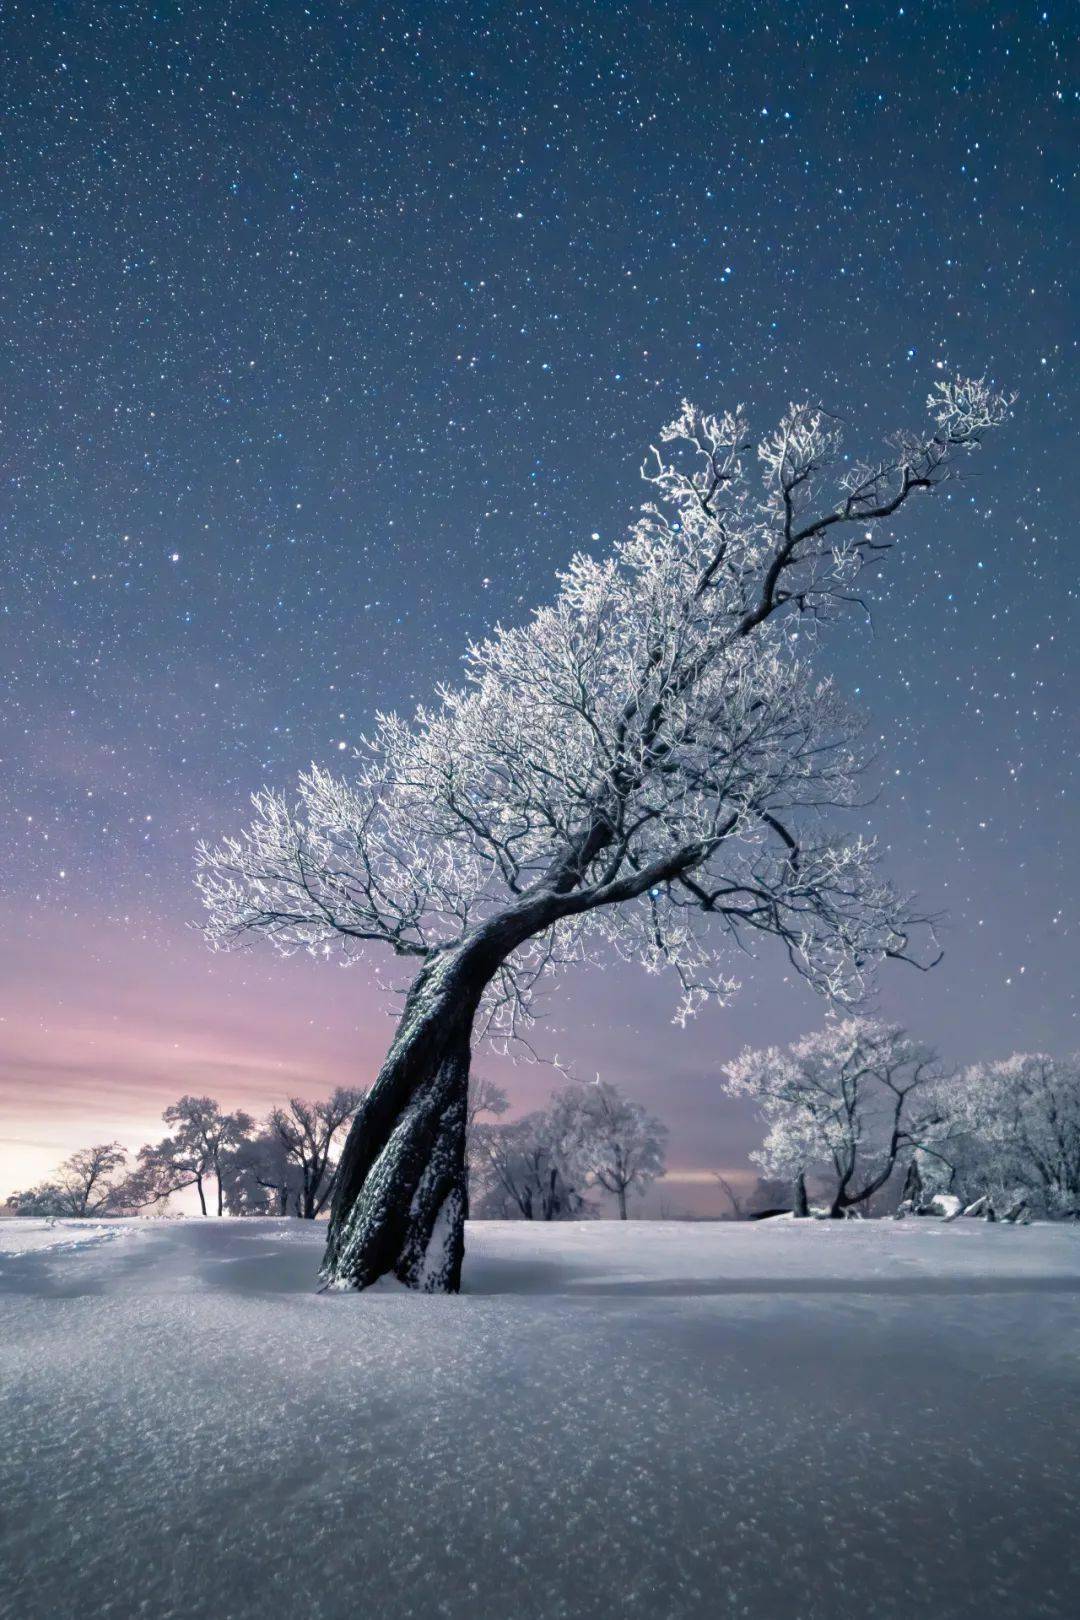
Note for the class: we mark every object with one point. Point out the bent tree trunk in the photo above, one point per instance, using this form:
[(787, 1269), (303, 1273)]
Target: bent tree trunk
[(401, 1196)]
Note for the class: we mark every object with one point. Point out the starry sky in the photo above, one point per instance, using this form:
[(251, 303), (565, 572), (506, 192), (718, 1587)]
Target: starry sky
[(329, 331)]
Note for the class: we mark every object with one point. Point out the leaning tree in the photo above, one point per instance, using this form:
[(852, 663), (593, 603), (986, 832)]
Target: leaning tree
[(645, 766)]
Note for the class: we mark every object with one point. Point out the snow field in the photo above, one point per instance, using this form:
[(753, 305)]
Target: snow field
[(657, 1420)]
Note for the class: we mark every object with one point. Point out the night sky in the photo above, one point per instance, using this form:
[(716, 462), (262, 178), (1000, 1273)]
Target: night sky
[(330, 331)]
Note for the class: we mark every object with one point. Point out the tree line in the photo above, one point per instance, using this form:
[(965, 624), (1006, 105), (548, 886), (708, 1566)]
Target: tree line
[(544, 1166), (860, 1113), (859, 1118), (284, 1166)]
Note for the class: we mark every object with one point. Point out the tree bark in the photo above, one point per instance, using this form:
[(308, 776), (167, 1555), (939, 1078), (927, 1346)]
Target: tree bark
[(401, 1197), (622, 1204), (801, 1205), (912, 1190), (202, 1196)]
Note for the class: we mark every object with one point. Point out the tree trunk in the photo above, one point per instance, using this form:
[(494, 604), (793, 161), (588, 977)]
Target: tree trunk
[(622, 1203), (912, 1190), (551, 1198), (401, 1198), (801, 1204), (202, 1195), (840, 1204)]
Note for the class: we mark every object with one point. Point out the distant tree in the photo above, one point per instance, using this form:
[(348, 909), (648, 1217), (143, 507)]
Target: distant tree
[(839, 1104), (86, 1184), (261, 1178), (648, 764), (523, 1174), (162, 1169), (1012, 1128), (485, 1097), (605, 1140), (196, 1151), (307, 1133), (735, 1200), (769, 1195)]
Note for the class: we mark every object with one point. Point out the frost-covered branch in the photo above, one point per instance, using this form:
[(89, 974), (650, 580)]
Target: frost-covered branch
[(650, 764)]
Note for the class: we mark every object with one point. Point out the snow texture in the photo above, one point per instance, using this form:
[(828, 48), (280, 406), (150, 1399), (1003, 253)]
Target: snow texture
[(37, 1236), (648, 1420)]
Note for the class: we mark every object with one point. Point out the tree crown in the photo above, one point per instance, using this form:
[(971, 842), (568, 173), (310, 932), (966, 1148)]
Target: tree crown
[(648, 757)]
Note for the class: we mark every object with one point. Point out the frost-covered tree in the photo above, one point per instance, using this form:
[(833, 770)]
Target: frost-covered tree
[(196, 1150), (1012, 1128), (646, 766), (308, 1133), (260, 1178), (840, 1104), (86, 1184), (605, 1140), (523, 1173), (486, 1097), (162, 1169)]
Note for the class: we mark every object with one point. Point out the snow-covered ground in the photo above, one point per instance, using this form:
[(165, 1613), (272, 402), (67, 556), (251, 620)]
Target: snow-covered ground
[(651, 1420), (32, 1237)]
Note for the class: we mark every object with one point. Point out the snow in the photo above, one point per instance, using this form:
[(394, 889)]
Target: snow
[(643, 1420), (436, 1264), (35, 1236)]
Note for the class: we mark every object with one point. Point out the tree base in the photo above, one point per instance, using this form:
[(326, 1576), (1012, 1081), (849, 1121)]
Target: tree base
[(402, 1198)]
